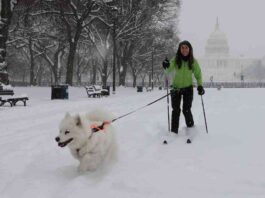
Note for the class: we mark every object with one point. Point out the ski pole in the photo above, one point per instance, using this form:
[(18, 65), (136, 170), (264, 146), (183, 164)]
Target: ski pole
[(204, 115), (168, 117)]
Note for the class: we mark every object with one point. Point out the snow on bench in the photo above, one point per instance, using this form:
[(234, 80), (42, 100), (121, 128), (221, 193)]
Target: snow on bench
[(96, 91), (6, 89), (13, 100)]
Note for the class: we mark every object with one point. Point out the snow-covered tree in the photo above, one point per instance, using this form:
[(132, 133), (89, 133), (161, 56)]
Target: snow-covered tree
[(73, 37), (6, 9)]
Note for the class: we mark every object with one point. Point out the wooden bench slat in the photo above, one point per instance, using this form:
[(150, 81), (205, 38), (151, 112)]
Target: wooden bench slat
[(6, 92)]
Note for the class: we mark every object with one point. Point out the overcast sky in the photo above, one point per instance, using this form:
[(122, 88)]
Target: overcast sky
[(241, 20)]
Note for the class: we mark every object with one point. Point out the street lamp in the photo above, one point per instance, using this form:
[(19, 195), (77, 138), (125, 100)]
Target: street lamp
[(114, 11)]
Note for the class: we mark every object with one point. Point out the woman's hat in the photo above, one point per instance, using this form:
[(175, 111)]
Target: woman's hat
[(185, 42)]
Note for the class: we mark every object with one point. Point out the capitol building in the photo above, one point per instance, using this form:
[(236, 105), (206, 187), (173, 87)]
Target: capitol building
[(218, 66)]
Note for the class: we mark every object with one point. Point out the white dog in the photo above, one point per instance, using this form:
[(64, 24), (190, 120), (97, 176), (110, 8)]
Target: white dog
[(90, 137)]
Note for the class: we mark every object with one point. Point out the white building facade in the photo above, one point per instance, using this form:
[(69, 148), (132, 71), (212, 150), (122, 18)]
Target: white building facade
[(218, 66)]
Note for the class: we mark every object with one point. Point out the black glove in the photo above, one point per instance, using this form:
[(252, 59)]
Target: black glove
[(200, 90), (165, 63)]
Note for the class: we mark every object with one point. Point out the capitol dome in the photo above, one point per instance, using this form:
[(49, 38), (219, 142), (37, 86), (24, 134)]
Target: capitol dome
[(217, 44)]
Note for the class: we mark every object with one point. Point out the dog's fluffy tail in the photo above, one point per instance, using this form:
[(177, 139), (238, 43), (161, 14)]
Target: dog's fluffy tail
[(100, 115)]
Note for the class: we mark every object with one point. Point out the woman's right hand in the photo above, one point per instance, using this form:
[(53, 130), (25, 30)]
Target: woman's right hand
[(165, 63)]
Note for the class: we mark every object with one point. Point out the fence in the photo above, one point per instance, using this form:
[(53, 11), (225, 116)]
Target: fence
[(206, 84), (234, 84)]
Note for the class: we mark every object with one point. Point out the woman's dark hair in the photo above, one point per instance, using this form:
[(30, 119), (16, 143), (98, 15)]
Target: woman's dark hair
[(180, 57)]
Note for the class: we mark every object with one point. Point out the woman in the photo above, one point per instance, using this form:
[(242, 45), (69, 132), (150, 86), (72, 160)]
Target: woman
[(182, 67)]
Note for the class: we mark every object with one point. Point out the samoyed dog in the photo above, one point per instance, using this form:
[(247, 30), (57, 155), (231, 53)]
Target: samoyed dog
[(90, 138)]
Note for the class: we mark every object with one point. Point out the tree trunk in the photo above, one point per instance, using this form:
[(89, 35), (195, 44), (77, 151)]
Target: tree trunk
[(150, 80), (104, 75), (6, 14), (40, 76), (134, 80), (32, 80), (126, 60), (123, 71), (94, 72), (70, 64), (134, 73), (123, 76), (55, 67), (143, 76)]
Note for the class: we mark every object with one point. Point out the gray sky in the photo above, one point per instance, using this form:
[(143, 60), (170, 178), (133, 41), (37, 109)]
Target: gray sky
[(241, 20)]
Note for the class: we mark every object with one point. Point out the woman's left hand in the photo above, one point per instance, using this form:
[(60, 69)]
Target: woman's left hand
[(200, 90)]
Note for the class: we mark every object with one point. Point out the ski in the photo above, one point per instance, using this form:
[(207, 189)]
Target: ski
[(188, 141), (171, 136), (190, 133)]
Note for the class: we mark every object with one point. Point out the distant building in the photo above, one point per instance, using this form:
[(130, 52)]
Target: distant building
[(217, 65)]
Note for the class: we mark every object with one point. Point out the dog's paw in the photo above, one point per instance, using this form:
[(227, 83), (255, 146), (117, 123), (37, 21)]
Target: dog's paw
[(84, 167)]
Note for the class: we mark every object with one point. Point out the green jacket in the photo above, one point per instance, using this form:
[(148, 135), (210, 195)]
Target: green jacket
[(182, 77)]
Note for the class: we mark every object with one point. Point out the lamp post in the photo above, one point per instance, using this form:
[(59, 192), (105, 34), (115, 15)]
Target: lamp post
[(242, 77), (114, 12)]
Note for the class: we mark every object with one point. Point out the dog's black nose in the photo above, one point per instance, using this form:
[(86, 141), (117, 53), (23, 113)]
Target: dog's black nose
[(57, 139)]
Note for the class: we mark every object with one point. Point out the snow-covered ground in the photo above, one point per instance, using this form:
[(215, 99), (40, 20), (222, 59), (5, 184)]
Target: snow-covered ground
[(226, 163)]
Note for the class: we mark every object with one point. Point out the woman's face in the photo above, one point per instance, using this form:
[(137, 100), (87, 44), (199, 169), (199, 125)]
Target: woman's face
[(185, 50)]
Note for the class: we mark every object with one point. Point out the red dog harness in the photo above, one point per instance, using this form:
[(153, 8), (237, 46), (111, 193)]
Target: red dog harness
[(96, 128)]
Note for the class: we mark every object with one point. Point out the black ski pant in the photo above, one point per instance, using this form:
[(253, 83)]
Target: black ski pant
[(186, 94)]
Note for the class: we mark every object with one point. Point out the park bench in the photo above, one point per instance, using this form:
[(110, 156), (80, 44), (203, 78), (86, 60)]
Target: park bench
[(13, 100), (96, 91), (148, 89), (6, 91)]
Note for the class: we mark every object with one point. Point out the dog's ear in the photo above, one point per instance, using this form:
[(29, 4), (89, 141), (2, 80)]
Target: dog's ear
[(78, 120), (67, 115)]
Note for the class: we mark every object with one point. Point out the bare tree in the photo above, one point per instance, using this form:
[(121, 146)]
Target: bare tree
[(99, 35), (83, 61), (76, 15), (138, 20)]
